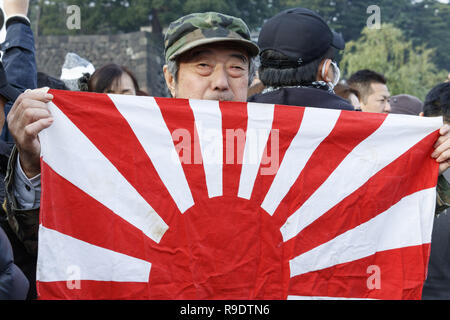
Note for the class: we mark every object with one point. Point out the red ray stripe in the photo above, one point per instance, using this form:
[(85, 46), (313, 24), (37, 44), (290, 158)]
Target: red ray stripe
[(401, 273), (130, 159), (68, 210), (234, 118), (180, 120), (326, 158), (92, 290), (286, 122), (415, 170)]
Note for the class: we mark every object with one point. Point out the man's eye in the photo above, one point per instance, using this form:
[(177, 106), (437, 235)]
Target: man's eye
[(203, 68)]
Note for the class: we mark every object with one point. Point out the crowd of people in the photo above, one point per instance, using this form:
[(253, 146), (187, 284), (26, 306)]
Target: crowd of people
[(208, 56)]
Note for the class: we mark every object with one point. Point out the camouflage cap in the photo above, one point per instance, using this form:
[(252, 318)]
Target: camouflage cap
[(198, 29)]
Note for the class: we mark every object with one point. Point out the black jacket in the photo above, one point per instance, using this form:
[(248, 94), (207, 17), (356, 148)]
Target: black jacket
[(303, 97), (437, 285)]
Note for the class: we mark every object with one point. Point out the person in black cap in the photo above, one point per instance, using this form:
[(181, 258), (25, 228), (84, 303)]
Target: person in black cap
[(297, 58), (297, 52)]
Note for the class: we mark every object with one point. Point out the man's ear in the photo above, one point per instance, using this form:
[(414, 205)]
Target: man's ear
[(322, 73), (170, 80)]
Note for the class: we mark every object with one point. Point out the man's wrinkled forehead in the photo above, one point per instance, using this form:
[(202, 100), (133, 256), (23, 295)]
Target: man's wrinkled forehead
[(231, 50)]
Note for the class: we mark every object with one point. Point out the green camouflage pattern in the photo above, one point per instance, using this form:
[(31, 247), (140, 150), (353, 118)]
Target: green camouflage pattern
[(201, 28)]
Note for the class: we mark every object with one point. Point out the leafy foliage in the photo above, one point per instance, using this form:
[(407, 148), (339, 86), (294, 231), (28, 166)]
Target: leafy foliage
[(409, 69), (114, 16), (426, 23)]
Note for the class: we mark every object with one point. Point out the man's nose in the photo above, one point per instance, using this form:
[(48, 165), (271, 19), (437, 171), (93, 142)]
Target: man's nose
[(220, 79), (387, 107)]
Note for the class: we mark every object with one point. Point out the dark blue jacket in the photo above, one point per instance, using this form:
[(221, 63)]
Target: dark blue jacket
[(20, 67), (19, 62), (13, 284)]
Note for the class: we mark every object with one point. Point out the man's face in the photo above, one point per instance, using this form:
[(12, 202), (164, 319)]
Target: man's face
[(378, 99), (211, 72)]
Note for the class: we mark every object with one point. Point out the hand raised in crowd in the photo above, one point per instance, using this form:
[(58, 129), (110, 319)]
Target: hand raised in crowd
[(12, 7), (442, 149), (29, 116)]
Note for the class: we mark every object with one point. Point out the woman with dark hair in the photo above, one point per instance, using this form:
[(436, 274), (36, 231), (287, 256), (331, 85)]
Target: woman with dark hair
[(111, 78)]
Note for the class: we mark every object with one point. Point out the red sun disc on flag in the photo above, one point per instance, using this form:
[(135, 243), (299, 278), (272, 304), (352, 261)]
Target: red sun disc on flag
[(214, 251)]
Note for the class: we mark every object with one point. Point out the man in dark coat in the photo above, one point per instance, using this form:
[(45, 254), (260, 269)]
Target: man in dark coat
[(298, 67)]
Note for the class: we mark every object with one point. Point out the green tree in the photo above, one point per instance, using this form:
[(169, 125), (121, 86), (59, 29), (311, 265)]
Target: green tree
[(425, 22), (409, 69), (253, 12), (97, 17), (120, 16), (429, 23)]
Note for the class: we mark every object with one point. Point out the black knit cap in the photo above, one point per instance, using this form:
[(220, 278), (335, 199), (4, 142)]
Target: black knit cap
[(299, 33)]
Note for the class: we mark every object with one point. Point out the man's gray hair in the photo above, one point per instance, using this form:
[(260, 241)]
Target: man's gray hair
[(173, 67)]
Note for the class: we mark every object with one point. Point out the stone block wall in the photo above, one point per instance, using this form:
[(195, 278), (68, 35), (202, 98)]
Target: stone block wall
[(141, 52)]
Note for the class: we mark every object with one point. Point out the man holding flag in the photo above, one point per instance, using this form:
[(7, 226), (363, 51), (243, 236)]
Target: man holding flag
[(209, 57), (200, 65)]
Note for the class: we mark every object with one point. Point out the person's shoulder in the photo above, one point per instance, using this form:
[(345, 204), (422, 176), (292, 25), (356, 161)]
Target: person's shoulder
[(334, 101), (263, 97), (301, 96)]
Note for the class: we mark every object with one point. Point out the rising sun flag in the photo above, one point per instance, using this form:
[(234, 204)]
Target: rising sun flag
[(159, 198)]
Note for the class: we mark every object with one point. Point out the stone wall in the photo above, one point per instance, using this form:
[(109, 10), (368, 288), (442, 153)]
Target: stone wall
[(141, 52)]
